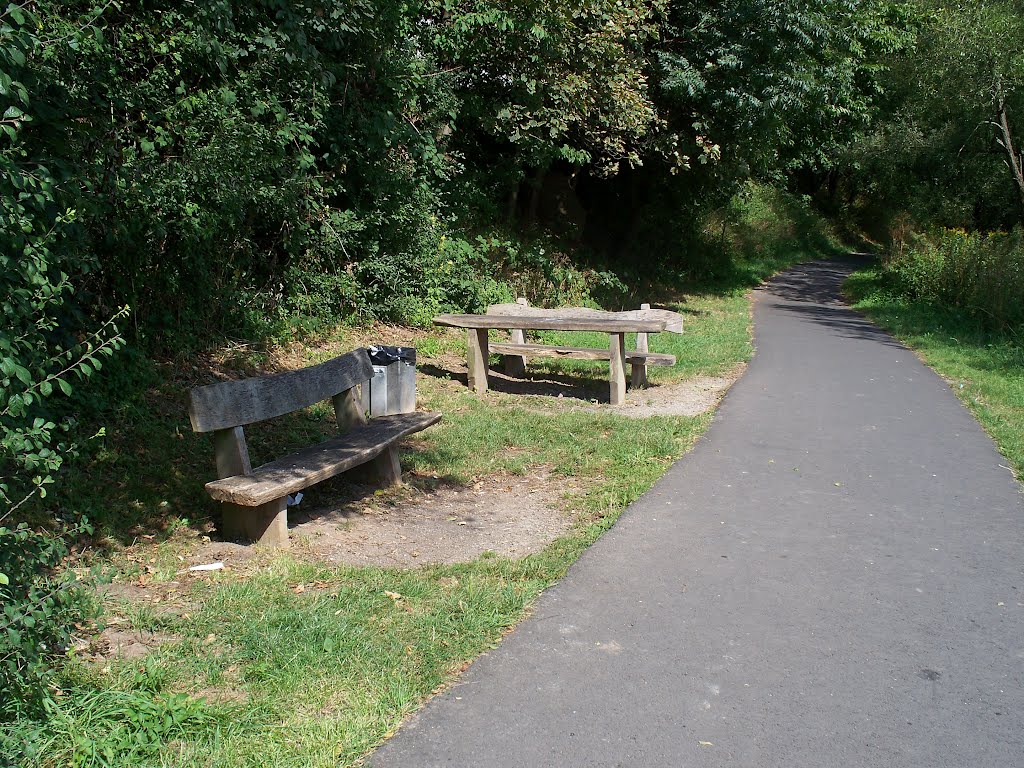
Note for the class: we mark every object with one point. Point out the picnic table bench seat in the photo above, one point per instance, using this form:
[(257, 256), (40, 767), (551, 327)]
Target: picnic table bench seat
[(579, 353), (254, 500)]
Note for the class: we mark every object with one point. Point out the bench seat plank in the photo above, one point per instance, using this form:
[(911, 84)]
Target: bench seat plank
[(318, 462), (579, 353)]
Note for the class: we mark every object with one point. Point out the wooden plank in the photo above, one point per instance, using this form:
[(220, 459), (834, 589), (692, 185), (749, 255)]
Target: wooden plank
[(673, 320), (617, 375), (231, 452), (266, 524), (638, 374), (318, 462), (477, 355), (579, 353), (552, 323), (515, 365), (348, 408), (237, 403)]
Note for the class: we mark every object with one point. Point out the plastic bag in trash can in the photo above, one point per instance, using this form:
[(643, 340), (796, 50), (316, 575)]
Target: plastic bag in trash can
[(381, 355)]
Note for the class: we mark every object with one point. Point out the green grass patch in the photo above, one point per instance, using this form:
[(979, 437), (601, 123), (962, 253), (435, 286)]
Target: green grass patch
[(984, 368)]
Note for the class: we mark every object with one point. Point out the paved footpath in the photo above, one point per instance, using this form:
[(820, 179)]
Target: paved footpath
[(833, 577)]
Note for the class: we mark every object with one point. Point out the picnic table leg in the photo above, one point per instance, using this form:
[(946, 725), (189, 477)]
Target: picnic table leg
[(515, 365), (618, 368), (638, 376), (477, 356)]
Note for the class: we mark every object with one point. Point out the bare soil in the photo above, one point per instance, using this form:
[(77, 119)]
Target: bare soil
[(507, 516)]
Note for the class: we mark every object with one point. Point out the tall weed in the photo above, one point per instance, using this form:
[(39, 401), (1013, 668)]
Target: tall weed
[(982, 274)]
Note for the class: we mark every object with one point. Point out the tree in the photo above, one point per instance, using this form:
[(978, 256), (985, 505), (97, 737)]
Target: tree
[(948, 144)]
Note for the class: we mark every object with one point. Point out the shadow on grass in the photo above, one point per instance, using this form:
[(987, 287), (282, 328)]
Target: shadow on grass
[(538, 382)]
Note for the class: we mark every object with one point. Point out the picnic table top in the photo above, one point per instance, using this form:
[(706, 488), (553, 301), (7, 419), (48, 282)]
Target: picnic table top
[(552, 321)]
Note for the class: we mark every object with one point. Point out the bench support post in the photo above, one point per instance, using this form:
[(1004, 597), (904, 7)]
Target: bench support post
[(384, 470), (515, 365), (638, 375), (477, 355), (266, 524), (348, 408), (231, 452), (618, 368)]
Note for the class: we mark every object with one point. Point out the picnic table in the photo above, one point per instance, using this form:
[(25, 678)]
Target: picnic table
[(519, 317)]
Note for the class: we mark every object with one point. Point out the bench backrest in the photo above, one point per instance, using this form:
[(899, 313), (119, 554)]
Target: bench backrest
[(673, 320), (239, 403)]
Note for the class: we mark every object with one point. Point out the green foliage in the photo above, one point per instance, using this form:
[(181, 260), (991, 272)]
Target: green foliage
[(43, 353), (252, 168), (938, 150), (791, 95), (553, 81), (40, 602), (983, 275)]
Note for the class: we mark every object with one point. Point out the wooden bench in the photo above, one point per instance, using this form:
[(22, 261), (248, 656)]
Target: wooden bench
[(517, 350), (255, 501)]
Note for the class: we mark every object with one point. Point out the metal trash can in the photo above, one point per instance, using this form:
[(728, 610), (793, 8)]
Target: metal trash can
[(393, 386)]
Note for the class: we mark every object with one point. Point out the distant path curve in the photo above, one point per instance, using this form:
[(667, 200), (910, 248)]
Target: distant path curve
[(831, 578)]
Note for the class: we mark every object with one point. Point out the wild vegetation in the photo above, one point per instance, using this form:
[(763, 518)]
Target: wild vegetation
[(200, 183)]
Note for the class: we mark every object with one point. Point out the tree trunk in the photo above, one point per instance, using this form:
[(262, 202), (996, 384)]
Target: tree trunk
[(1013, 156)]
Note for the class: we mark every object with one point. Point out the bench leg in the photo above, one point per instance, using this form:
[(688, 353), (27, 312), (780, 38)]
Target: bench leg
[(265, 524), (515, 365), (477, 356), (618, 368), (638, 376), (383, 471)]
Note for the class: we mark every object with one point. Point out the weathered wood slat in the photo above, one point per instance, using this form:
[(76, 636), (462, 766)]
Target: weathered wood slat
[(579, 353), (515, 365), (231, 452), (319, 462), (617, 376), (673, 320), (238, 403), (556, 322), (638, 370), (476, 359)]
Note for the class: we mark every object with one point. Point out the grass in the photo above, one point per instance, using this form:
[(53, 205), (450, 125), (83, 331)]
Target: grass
[(984, 368), (292, 662)]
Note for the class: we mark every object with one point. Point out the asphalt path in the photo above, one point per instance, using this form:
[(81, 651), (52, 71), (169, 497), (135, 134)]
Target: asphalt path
[(832, 577)]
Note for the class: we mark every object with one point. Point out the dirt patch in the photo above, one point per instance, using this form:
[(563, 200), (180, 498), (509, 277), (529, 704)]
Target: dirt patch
[(685, 398), (119, 642), (509, 516)]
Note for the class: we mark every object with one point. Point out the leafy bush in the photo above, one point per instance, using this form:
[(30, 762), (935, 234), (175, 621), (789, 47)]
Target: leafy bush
[(43, 349), (982, 274), (40, 603)]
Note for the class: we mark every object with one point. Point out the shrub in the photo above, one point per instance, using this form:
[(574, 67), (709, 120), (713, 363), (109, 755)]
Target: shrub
[(982, 274)]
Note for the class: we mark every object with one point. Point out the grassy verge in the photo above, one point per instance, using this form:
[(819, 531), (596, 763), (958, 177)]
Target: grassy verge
[(289, 661), (984, 368)]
